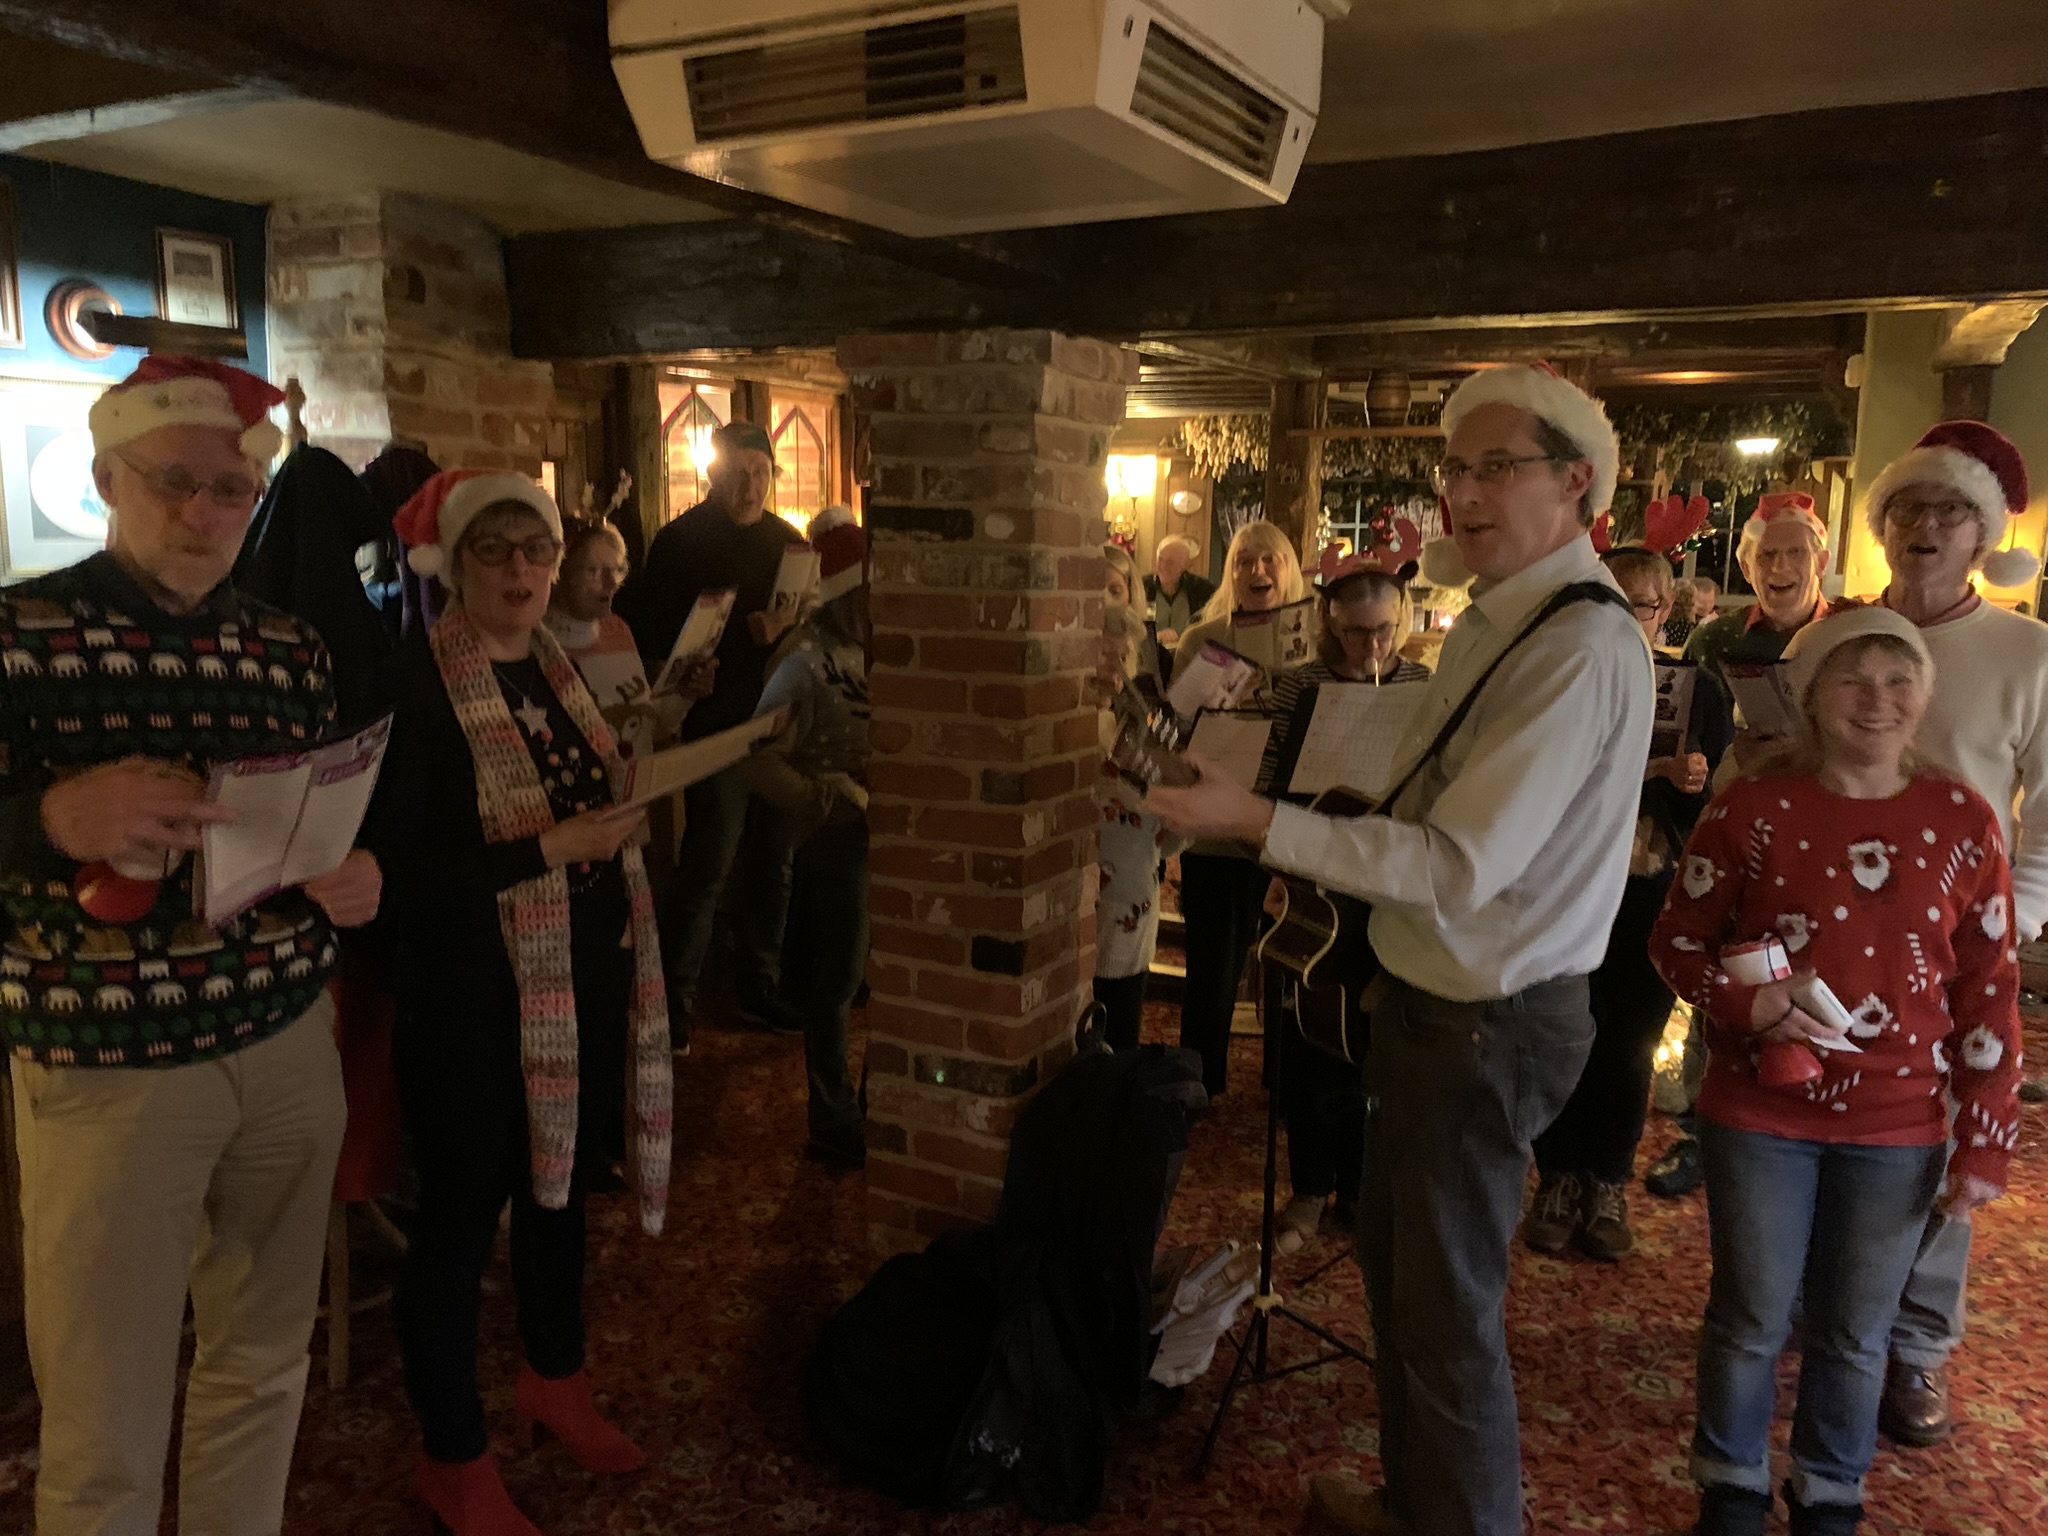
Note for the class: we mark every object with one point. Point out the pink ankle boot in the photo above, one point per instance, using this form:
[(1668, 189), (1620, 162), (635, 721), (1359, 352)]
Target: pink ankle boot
[(468, 1498), (564, 1407)]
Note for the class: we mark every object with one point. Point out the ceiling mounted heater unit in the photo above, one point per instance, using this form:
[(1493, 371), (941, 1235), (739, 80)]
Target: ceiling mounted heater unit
[(982, 114)]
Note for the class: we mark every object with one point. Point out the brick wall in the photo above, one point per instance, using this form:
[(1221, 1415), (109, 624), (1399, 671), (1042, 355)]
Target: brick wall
[(391, 312), (985, 512)]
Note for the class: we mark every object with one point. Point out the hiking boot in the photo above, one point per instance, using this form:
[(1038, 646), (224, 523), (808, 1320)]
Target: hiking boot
[(1678, 1172), (1914, 1409), (1297, 1223), (1603, 1222), (1726, 1511), (1823, 1519), (1554, 1213)]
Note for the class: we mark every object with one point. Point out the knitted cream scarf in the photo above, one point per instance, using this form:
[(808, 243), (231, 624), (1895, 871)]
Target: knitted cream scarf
[(534, 916)]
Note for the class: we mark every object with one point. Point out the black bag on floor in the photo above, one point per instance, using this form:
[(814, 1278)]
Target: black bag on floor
[(1020, 1344)]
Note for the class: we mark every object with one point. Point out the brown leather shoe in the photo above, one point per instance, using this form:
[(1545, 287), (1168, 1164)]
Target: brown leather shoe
[(1554, 1213), (1603, 1226), (1340, 1505), (1914, 1410)]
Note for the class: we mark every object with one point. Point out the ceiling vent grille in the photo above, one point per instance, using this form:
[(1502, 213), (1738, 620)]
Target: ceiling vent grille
[(937, 65), (1196, 99)]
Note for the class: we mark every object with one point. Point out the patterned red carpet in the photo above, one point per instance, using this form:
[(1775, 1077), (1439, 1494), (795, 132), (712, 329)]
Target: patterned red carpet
[(698, 1341)]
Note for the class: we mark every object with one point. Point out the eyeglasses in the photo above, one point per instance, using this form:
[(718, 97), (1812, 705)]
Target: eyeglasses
[(1645, 610), (1908, 513), (173, 485), (541, 549), (1494, 469)]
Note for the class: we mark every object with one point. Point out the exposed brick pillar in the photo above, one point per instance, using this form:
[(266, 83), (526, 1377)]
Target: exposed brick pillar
[(986, 518)]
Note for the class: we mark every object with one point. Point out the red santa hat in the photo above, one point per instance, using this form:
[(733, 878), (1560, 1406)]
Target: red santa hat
[(171, 391), (1542, 391), (1968, 459), (842, 546), (431, 523)]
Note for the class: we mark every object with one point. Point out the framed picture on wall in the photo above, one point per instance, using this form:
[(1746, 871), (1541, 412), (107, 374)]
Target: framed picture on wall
[(11, 333), (195, 278), (50, 512)]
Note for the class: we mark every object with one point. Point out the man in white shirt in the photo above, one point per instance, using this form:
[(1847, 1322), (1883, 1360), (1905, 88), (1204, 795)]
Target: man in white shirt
[(1939, 512), (1494, 883)]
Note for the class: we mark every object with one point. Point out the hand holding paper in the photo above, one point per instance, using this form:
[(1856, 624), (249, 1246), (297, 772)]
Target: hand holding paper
[(592, 838), (350, 892), (131, 811)]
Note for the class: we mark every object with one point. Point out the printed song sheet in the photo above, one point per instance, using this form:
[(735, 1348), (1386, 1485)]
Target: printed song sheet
[(296, 816), (698, 639), (1215, 678), (1352, 737), (676, 768), (1673, 719), (1234, 741), (1763, 698), (1278, 639)]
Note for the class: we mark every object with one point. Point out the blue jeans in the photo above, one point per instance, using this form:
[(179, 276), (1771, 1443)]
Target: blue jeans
[(1455, 1095), (1844, 1220)]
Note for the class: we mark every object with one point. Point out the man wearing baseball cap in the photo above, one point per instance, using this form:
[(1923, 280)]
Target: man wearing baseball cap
[(730, 539), (177, 1093), (1940, 512)]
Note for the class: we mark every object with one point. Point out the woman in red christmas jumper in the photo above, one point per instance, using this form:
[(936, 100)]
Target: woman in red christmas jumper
[(1886, 877)]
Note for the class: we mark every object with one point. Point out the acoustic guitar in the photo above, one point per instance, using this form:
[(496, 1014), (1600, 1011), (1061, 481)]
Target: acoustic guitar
[(1319, 939)]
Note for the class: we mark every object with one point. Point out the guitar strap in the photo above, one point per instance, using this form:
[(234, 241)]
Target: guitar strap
[(1564, 597)]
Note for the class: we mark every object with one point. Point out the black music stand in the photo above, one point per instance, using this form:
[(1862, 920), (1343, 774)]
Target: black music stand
[(1253, 1364)]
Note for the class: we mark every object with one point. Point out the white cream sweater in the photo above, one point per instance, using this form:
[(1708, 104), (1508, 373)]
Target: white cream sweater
[(1989, 721)]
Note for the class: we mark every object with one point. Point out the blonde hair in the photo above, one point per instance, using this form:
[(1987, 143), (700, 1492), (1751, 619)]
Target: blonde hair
[(1804, 754), (1631, 560), (1120, 558), (1120, 622), (1262, 537)]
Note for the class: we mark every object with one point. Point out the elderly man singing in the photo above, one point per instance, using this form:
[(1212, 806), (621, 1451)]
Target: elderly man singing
[(1494, 881), (177, 1093)]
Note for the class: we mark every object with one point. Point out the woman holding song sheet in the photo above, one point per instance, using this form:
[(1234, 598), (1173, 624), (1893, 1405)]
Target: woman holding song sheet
[(530, 991), (1222, 890), (1365, 614)]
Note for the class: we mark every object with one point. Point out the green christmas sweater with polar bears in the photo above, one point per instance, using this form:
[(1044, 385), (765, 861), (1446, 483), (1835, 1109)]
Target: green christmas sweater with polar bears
[(91, 671)]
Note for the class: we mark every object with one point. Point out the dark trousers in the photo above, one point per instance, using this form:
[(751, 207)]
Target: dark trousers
[(725, 826), (467, 1115), (825, 958), (1221, 897), (1324, 1106), (1123, 1009), (1596, 1132), (1455, 1094)]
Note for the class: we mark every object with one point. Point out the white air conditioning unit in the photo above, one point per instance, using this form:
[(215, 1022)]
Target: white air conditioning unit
[(934, 119)]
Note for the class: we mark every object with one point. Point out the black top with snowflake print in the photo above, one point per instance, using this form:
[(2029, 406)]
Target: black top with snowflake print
[(572, 775), (95, 671), (1903, 906)]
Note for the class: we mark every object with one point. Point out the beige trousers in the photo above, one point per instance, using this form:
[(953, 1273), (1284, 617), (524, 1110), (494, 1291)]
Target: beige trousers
[(137, 1185)]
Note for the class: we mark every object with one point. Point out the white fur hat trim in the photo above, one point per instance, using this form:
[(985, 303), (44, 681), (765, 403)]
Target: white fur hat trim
[(126, 412), (1558, 401), (1951, 469)]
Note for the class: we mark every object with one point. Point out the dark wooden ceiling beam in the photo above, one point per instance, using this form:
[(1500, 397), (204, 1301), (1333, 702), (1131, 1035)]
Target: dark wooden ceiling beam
[(532, 75), (1632, 342), (1923, 201), (1811, 214)]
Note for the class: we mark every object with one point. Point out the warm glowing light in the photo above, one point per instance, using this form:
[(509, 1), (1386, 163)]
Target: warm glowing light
[(1132, 474), (703, 452), (1756, 447)]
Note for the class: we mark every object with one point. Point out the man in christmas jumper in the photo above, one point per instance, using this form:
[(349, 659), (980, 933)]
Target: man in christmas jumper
[(1940, 512), (177, 1093), (1494, 888), (1782, 552)]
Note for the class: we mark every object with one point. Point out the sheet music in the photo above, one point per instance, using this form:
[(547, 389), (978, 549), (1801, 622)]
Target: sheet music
[(663, 773), (795, 579), (698, 639), (1353, 736), (1234, 742)]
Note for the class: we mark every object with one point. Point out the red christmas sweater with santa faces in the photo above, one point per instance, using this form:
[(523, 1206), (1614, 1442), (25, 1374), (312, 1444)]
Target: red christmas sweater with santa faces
[(1904, 907)]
